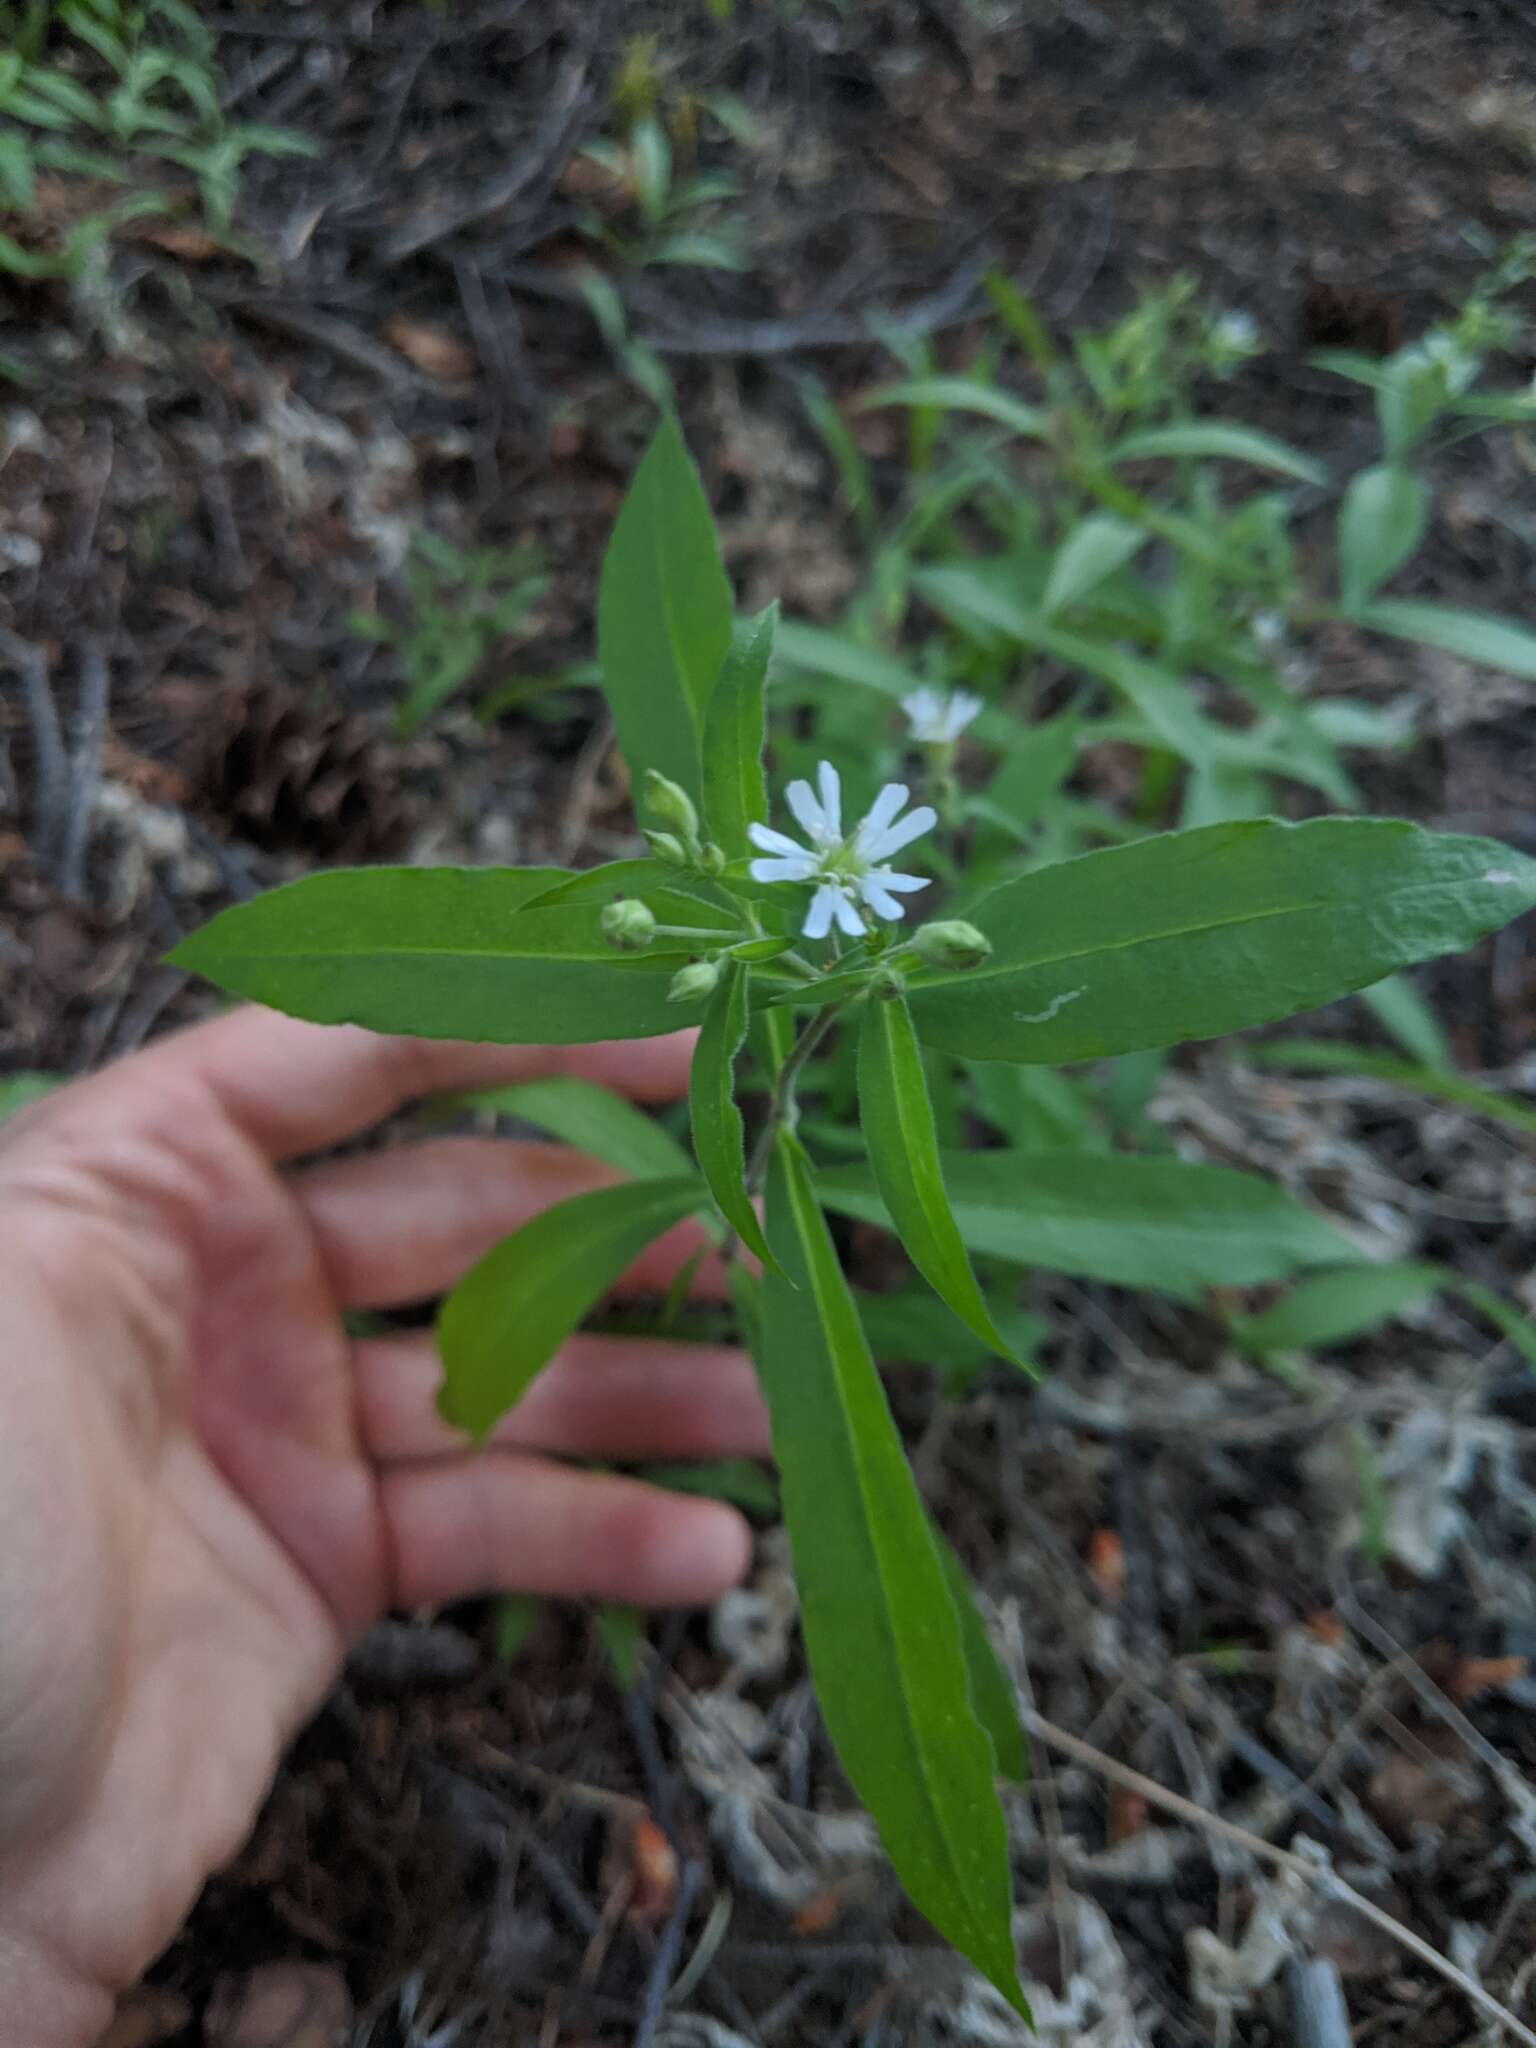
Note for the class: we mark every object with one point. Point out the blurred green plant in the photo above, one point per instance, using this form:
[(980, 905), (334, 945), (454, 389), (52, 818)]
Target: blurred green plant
[(666, 215), (100, 90), (459, 605)]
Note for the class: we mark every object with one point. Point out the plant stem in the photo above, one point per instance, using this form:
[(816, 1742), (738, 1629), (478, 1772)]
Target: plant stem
[(782, 1108)]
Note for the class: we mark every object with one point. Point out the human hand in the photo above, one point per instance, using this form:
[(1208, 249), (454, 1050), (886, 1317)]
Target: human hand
[(207, 1490)]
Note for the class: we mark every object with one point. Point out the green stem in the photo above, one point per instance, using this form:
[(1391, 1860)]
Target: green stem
[(782, 1107)]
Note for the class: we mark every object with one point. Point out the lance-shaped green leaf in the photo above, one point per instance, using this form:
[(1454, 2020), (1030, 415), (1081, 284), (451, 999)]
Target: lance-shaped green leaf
[(717, 1125), (1095, 548), (593, 1119), (1381, 522), (897, 1120), (1190, 934), (1330, 1308), (1160, 695), (1227, 439), (663, 614), (514, 1308), (993, 1699), (443, 953), (735, 794), (1166, 1224), (1473, 636), (881, 1630), (962, 394)]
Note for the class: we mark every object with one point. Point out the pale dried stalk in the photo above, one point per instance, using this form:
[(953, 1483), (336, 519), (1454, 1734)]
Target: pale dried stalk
[(1326, 1881)]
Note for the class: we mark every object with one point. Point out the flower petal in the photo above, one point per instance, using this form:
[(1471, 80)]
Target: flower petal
[(831, 799), (911, 827), (775, 842), (799, 867), (848, 918), (880, 901), (963, 707), (812, 819), (890, 878), (877, 819), (818, 919)]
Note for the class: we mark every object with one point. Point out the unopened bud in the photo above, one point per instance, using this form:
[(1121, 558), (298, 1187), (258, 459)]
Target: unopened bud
[(951, 942), (669, 848), (711, 859), (671, 803), (628, 924), (691, 984)]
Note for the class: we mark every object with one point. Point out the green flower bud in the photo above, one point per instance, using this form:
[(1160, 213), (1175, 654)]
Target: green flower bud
[(669, 848), (628, 924), (711, 859), (951, 942), (691, 984), (672, 804)]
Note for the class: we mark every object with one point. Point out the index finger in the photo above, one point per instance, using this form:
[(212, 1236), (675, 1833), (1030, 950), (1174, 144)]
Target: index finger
[(293, 1087)]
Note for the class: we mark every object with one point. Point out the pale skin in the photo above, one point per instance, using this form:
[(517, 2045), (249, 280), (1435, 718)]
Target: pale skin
[(207, 1492)]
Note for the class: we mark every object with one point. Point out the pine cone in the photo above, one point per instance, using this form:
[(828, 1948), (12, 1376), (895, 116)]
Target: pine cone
[(292, 775)]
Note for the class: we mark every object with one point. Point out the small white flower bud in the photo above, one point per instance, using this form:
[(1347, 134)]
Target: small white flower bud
[(671, 803), (691, 984), (951, 942), (669, 848), (628, 924)]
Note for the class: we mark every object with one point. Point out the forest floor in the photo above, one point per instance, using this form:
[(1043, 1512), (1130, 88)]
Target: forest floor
[(209, 463)]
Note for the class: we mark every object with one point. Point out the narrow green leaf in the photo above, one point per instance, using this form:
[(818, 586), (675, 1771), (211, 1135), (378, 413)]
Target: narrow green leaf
[(621, 1631), (1327, 1056), (993, 1698), (17, 1090), (1224, 438), (735, 795), (913, 1327), (736, 1480), (1330, 1308), (1030, 775), (1506, 1318), (515, 1307), (517, 1616), (1399, 1009), (960, 394), (443, 953), (663, 614), (1166, 1224), (1381, 521), (881, 1630), (897, 1120), (1161, 696), (717, 1125), (1474, 636), (593, 1119), (1095, 548), (1190, 934), (631, 878)]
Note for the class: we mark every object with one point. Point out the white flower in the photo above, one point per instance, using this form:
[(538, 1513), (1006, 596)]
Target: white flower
[(842, 870), (939, 720)]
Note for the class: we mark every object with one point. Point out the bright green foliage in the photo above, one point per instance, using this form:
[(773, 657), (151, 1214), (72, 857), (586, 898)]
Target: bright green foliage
[(994, 1700), (1381, 523), (1164, 1224), (663, 615), (1330, 1308), (717, 1125), (880, 1626), (441, 953), (593, 1119), (1159, 600), (897, 1121), (513, 1310), (460, 605), (126, 95), (735, 793), (1196, 933)]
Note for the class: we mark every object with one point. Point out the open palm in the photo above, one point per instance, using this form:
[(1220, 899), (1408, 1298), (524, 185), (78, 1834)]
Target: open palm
[(207, 1490)]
